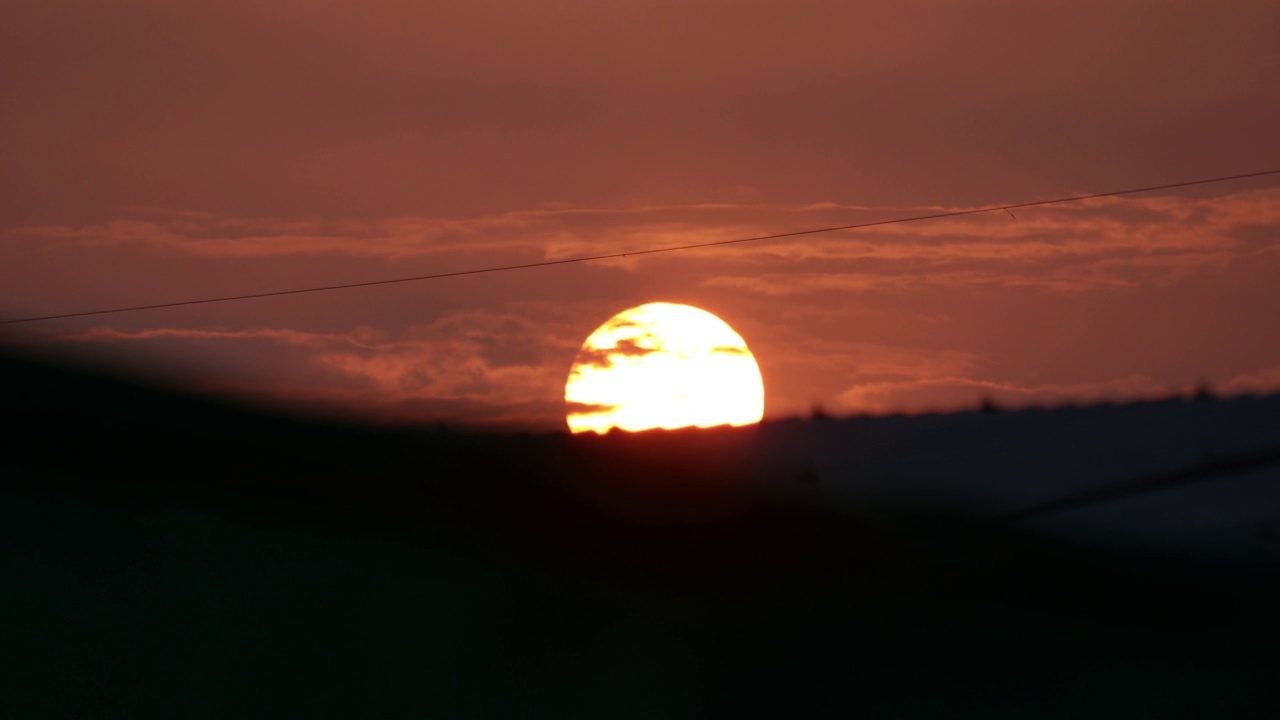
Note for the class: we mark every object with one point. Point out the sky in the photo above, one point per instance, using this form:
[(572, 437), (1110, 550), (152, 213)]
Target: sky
[(156, 151)]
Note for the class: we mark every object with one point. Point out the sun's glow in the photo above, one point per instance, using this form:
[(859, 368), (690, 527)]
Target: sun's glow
[(663, 365)]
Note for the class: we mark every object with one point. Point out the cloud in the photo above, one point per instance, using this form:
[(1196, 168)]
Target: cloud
[(480, 367), (932, 394), (604, 358), (581, 408), (861, 321), (963, 393), (1111, 243), (1101, 244), (1261, 382)]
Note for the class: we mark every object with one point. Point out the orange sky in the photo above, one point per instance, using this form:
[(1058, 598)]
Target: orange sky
[(157, 151)]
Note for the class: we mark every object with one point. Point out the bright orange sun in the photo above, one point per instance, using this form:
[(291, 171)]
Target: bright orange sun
[(663, 365)]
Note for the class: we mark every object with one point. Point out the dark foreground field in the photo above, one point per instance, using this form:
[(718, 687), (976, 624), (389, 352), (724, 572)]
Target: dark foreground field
[(164, 556)]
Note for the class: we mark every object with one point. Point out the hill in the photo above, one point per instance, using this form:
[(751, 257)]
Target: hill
[(168, 555)]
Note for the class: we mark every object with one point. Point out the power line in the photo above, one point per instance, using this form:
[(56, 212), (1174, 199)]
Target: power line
[(1206, 471), (650, 251)]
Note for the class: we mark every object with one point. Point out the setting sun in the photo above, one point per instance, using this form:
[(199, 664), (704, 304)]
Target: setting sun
[(663, 365)]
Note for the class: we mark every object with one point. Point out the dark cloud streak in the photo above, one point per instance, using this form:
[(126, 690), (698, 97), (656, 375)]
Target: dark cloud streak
[(604, 358)]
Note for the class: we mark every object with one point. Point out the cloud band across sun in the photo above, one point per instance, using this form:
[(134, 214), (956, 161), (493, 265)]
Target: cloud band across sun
[(663, 365)]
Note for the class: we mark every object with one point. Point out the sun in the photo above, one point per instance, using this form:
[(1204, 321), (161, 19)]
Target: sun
[(663, 365)]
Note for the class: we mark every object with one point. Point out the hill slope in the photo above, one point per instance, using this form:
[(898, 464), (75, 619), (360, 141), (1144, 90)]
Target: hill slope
[(167, 555)]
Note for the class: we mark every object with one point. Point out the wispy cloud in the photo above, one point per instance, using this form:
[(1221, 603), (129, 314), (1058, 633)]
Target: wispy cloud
[(1099, 244), (1263, 381), (1109, 226), (1104, 243), (861, 322), (607, 357), (963, 393), (477, 366)]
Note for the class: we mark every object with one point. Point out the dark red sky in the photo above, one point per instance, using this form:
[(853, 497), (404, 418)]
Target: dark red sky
[(158, 151)]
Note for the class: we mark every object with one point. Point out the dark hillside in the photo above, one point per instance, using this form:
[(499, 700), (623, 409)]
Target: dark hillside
[(173, 556)]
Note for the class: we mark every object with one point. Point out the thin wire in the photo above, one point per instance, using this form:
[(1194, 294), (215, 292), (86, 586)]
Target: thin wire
[(650, 251), (1209, 470)]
